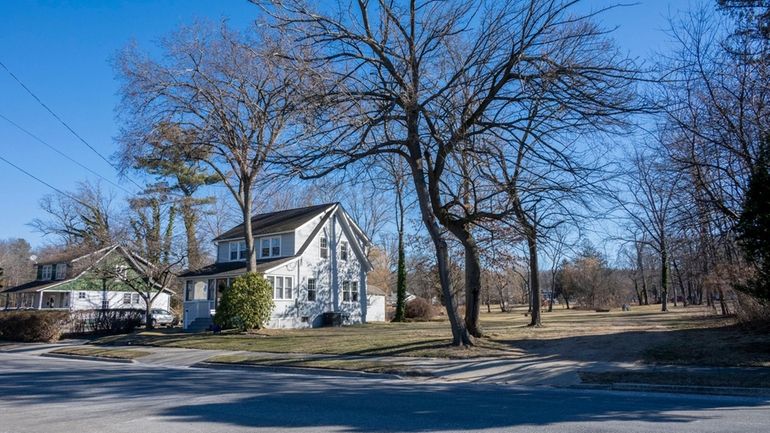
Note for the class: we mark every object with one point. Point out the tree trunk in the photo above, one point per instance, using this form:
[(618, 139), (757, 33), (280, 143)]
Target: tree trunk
[(472, 278), (640, 263), (638, 293), (190, 220), (248, 234), (460, 335), (401, 269), (553, 290), (147, 312), (681, 284), (663, 279), (534, 279)]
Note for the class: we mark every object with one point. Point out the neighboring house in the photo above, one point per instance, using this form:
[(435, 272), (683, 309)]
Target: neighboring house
[(314, 257), (84, 282)]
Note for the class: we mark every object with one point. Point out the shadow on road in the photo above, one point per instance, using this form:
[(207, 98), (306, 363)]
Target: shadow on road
[(261, 400)]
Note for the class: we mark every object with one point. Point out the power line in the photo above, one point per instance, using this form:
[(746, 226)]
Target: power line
[(40, 180), (22, 129), (39, 101)]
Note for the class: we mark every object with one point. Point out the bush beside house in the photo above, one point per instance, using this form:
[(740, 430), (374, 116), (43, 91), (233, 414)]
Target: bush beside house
[(246, 304), (33, 326)]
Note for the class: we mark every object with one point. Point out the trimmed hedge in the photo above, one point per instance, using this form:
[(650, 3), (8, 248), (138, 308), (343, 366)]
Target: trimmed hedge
[(33, 326), (106, 322)]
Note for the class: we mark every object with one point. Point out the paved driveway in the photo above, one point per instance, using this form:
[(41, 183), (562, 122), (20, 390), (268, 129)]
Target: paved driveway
[(55, 395)]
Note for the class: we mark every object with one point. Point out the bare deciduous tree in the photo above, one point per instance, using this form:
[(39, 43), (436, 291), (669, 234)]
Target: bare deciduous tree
[(230, 92)]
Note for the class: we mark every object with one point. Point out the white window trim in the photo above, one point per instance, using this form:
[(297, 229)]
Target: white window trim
[(129, 299), (239, 250), (348, 288), (269, 241), (314, 290), (63, 268), (322, 248), (81, 295), (344, 251), (47, 271), (272, 279)]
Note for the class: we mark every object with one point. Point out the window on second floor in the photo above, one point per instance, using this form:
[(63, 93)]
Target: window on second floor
[(61, 270), (270, 247), (126, 298), (324, 251), (46, 275), (344, 251), (238, 251)]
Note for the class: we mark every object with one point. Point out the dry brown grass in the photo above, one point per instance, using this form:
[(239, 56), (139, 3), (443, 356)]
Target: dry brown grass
[(642, 334)]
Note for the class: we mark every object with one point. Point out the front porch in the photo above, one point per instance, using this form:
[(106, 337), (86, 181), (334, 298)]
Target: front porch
[(201, 298), (38, 300)]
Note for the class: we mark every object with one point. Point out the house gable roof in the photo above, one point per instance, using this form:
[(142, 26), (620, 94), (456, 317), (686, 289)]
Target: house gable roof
[(276, 222), (82, 263)]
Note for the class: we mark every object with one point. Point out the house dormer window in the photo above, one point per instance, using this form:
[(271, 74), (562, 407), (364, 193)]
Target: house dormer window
[(61, 270), (46, 273), (237, 251), (270, 247), (344, 251), (324, 251)]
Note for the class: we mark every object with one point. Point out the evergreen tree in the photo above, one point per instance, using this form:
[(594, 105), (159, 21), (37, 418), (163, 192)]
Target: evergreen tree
[(754, 226)]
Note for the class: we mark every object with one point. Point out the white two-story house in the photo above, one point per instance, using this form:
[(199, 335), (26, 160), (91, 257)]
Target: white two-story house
[(315, 259)]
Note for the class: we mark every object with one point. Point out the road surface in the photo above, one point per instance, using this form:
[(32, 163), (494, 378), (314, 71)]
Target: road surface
[(59, 395)]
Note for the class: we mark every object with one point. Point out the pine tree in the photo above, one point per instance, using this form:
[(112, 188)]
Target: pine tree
[(754, 226)]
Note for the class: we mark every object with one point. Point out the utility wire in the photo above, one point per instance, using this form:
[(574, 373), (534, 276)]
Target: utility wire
[(85, 167), (39, 101), (41, 180)]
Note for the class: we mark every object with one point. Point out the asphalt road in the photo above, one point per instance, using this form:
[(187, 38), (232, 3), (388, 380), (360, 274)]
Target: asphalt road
[(57, 395)]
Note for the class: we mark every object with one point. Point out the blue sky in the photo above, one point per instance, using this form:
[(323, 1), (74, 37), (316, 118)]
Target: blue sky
[(62, 51)]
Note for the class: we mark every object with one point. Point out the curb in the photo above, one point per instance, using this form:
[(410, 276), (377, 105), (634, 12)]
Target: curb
[(88, 358), (301, 370), (678, 389)]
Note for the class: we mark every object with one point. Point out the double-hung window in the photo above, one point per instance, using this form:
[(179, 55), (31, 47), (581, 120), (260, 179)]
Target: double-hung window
[(126, 298), (350, 291), (324, 251), (311, 289), (136, 298), (270, 247), (346, 291), (237, 251), (46, 275), (344, 251), (61, 270), (283, 287)]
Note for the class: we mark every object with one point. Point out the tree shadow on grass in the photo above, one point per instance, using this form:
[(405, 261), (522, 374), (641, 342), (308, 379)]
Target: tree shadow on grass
[(730, 345), (229, 399)]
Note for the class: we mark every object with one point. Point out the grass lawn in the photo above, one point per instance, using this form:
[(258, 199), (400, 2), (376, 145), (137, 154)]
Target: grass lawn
[(99, 352), (754, 379), (691, 335), (369, 366)]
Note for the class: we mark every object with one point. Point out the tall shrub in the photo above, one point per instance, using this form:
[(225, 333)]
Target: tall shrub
[(247, 304)]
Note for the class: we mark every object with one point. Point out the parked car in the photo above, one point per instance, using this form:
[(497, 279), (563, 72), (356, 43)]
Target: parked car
[(161, 317)]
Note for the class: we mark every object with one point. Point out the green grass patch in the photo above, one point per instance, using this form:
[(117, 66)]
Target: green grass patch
[(102, 352)]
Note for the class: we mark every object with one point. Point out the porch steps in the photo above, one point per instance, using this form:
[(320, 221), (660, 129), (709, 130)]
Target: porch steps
[(199, 324)]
